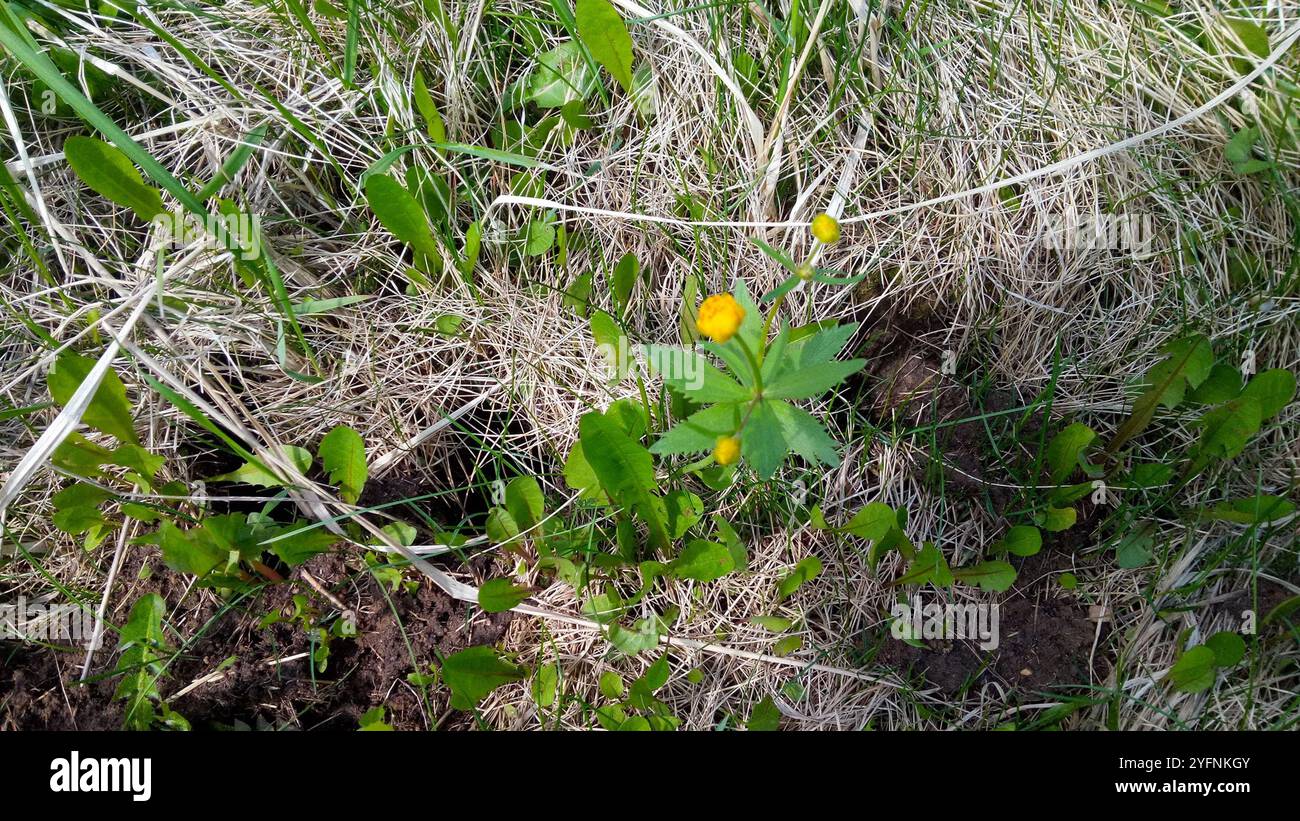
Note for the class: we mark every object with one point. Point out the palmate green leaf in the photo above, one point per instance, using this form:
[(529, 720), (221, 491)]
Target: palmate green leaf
[(762, 442), (109, 411), (343, 455), (703, 561), (992, 577), (1065, 449), (399, 212), (605, 35), (693, 376), (500, 595), (109, 173), (474, 672), (821, 346), (810, 381), (804, 434)]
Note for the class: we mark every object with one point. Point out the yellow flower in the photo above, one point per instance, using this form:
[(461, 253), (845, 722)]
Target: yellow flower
[(826, 229), (727, 450), (720, 317)]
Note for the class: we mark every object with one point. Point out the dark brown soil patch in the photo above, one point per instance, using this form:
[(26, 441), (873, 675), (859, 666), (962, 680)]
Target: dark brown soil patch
[(397, 634)]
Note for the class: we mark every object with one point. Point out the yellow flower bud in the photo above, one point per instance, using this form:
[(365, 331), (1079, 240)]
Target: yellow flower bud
[(727, 450), (720, 317), (826, 229)]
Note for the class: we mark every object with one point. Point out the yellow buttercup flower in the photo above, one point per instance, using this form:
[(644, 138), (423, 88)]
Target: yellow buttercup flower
[(720, 317), (727, 450), (826, 229)]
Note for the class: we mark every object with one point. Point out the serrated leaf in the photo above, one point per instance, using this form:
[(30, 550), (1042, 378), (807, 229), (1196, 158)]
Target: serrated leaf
[(343, 455), (109, 173), (812, 381), (693, 376), (699, 431), (762, 442), (605, 35), (805, 435)]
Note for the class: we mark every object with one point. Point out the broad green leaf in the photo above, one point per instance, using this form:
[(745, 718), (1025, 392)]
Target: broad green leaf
[(806, 570), (562, 74), (625, 275), (1223, 383), (1194, 670), (993, 576), (1272, 389), (1188, 362), (108, 411), (612, 343), (1227, 429), (251, 474), (499, 595), (546, 685), (1065, 449), (1056, 519), (1134, 547), (501, 526), (186, 552), (579, 475), (141, 642), (424, 104), (109, 173), (765, 717), (343, 455), (930, 565), (399, 212), (1253, 36), (1229, 648), (703, 561), (302, 543), (1252, 510), (1023, 540), (625, 470), (774, 624), (474, 672), (525, 502), (604, 34)]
